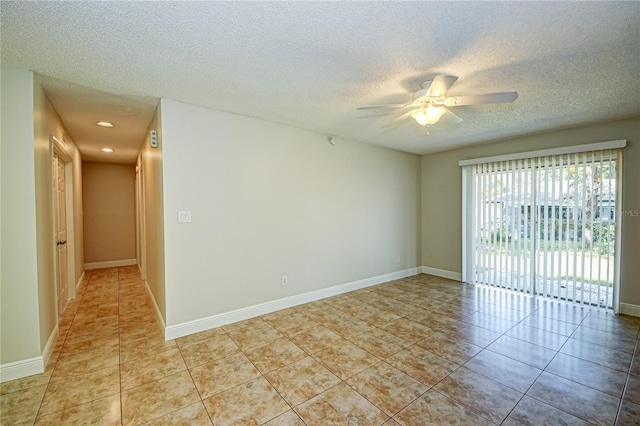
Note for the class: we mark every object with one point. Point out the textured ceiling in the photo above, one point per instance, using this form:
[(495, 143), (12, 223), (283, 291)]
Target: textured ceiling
[(311, 64)]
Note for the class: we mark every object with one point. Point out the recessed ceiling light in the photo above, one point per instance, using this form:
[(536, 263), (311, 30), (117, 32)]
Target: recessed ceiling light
[(106, 150), (104, 124)]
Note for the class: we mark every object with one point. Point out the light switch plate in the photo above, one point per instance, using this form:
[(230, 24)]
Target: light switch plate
[(184, 217)]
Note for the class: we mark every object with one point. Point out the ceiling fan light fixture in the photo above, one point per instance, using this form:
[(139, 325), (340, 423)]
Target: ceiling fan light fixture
[(429, 115)]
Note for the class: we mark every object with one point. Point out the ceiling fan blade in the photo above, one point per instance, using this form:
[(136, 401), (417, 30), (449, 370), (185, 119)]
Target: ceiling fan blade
[(390, 106), (397, 121), (489, 98), (440, 85), (449, 117)]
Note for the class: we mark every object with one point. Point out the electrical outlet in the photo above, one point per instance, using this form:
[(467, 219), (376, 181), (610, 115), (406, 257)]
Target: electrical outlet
[(284, 280), (397, 259), (184, 217)]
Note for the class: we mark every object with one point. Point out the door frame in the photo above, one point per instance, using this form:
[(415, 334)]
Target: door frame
[(141, 238), (57, 147)]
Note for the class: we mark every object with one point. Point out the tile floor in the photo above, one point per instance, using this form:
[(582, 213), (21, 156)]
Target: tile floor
[(417, 351)]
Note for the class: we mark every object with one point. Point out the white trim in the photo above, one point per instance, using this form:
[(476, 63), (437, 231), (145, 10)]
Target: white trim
[(19, 369), (79, 282), (109, 264), (547, 152), (202, 324), (619, 227), (443, 273), (629, 309), (155, 305), (48, 348)]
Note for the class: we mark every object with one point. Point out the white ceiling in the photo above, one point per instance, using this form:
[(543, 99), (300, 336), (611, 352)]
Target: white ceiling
[(311, 64)]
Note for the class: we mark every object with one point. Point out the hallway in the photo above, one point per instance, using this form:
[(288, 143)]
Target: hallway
[(421, 350)]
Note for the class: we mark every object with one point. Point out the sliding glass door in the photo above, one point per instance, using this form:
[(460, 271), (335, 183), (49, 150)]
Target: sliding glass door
[(544, 225)]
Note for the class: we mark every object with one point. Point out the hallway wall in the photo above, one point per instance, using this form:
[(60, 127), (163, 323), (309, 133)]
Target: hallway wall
[(109, 212)]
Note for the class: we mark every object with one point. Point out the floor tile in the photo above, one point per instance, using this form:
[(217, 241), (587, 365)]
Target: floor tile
[(433, 408), (207, 350), (522, 351), (191, 415), (490, 322), (486, 397), (611, 326), (632, 393), (135, 349), (347, 326), (611, 358), (156, 399), (275, 354), (302, 380), (422, 365), (589, 374), (537, 336), (104, 411), (292, 323), (290, 418), (562, 311), (454, 350), (603, 338), (340, 405), (629, 414), (253, 402), (576, 399), (203, 335), (505, 370), (550, 324), (380, 318), (315, 339), (21, 406), (25, 383), (222, 374), (387, 387), (409, 331), (345, 359), (473, 334), (379, 343), (532, 412), (84, 362), (254, 335), (66, 393), (148, 369)]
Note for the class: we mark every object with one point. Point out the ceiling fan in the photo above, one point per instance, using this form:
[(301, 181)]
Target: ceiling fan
[(430, 104)]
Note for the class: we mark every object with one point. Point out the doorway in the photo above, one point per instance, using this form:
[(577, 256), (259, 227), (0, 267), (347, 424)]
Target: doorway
[(546, 226), (62, 191)]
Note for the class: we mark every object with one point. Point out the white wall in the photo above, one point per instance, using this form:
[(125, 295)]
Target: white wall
[(151, 161), (269, 200), (19, 317), (442, 195)]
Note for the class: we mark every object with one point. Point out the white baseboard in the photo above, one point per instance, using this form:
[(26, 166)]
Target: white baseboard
[(79, 281), (195, 326), (155, 305), (48, 348), (20, 369), (109, 264), (629, 309), (442, 273)]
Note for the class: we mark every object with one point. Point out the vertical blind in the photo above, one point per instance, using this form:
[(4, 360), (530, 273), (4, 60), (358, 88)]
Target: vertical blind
[(544, 225)]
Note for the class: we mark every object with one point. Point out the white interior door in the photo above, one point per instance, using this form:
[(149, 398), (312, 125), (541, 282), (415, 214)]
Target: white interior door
[(62, 280)]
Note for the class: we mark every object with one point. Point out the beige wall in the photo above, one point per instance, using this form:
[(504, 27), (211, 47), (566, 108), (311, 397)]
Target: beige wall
[(442, 195), (48, 123), (269, 200), (151, 170), (19, 317), (109, 211)]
